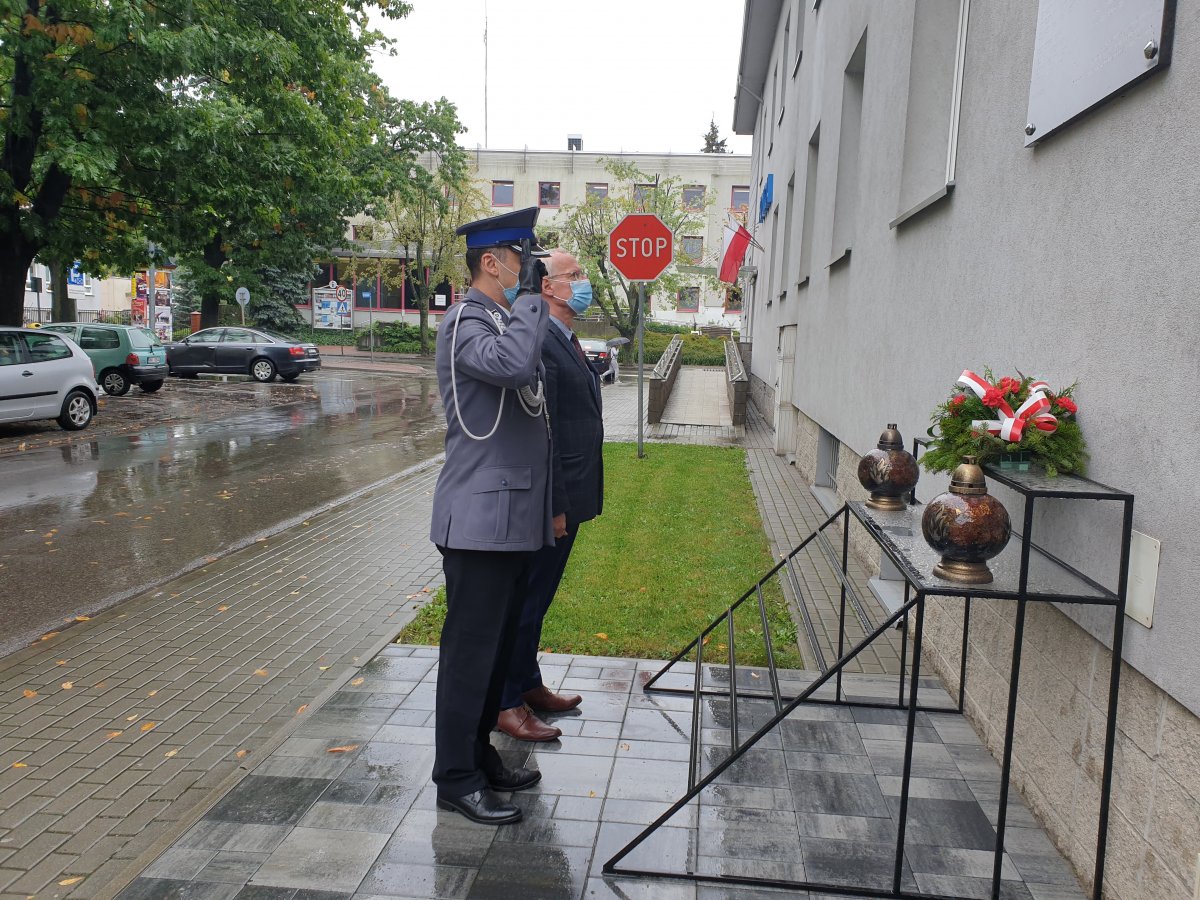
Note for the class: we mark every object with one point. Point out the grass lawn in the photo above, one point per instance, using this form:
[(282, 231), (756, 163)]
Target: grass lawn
[(680, 540)]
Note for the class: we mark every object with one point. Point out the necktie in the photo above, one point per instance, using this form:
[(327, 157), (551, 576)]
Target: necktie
[(579, 349)]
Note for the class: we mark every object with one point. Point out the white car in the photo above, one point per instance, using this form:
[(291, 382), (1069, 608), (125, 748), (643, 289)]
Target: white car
[(45, 376)]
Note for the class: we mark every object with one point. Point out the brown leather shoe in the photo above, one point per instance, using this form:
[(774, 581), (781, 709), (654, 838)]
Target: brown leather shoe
[(543, 699), (520, 723)]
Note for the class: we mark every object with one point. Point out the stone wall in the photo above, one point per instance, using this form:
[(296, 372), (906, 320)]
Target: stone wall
[(1154, 832), (762, 396)]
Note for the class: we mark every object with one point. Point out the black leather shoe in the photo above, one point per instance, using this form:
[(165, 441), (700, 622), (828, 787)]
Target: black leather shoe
[(514, 779), (483, 807)]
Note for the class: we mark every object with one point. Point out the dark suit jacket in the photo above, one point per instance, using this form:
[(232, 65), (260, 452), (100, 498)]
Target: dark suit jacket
[(577, 430)]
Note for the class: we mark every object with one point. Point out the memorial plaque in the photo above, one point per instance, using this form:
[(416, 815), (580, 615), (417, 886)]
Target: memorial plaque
[(1088, 50)]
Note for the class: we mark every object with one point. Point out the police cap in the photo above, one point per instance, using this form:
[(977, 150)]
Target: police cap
[(507, 230)]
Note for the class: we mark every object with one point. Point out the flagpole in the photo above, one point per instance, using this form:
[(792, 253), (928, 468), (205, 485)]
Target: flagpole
[(485, 75)]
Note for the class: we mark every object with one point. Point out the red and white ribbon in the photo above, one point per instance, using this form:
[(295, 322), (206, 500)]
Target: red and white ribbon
[(1011, 425)]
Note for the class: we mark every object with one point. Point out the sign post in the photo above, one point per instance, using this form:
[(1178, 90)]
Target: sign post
[(640, 248), (242, 295)]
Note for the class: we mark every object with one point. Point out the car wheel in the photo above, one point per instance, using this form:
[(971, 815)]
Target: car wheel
[(149, 387), (77, 411), (115, 384), (290, 378), (262, 369)]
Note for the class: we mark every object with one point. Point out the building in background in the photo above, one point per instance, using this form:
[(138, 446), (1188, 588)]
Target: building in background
[(95, 298), (551, 180), (917, 218)]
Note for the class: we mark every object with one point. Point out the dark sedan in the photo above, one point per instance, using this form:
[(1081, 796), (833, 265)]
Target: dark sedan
[(242, 351), (597, 354)]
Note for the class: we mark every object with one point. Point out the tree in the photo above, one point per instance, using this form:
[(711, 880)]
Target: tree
[(420, 219), (713, 142), (585, 228), (207, 128), (273, 306)]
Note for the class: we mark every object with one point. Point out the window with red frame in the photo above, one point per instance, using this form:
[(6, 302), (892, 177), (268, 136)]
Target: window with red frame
[(549, 194), (502, 193), (597, 189), (693, 197)]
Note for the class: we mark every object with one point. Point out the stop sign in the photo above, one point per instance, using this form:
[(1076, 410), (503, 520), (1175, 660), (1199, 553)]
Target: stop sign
[(641, 246)]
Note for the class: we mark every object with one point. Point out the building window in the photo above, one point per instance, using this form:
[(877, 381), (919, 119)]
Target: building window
[(693, 197), (688, 299), (597, 189), (693, 248), (502, 193), (642, 193), (549, 194), (829, 448), (733, 300), (740, 198)]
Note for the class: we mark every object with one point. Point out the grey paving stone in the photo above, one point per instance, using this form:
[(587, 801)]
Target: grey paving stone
[(399, 879), (837, 793), (233, 867), (541, 871), (179, 863), (168, 889), (268, 800), (321, 859)]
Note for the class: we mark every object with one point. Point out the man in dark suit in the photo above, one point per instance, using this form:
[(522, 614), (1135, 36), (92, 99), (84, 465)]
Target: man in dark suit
[(577, 493), (492, 506)]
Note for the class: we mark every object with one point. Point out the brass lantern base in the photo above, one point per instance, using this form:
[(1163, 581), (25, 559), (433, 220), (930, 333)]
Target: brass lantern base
[(963, 572), (891, 504)]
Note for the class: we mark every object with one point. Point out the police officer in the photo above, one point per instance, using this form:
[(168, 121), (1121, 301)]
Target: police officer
[(492, 505)]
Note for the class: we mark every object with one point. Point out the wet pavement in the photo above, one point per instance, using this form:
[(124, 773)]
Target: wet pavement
[(186, 475), (344, 809)]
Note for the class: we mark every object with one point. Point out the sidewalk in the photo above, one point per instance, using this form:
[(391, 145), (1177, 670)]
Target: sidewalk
[(120, 732)]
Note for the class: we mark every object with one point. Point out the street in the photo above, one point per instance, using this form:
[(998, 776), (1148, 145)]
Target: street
[(87, 521)]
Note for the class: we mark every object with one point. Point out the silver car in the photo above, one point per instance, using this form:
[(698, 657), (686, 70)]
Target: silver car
[(45, 376)]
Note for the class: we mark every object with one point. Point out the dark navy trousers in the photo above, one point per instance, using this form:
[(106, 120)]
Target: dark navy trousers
[(545, 572), (484, 597)]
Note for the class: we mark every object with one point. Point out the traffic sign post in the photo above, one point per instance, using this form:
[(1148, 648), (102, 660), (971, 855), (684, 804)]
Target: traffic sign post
[(641, 248), (242, 296)]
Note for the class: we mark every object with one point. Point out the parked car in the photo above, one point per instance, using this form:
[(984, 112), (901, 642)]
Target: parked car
[(122, 355), (242, 351), (597, 354), (45, 376)]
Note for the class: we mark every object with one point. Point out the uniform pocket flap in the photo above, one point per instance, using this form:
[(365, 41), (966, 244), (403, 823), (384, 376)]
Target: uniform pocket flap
[(501, 478)]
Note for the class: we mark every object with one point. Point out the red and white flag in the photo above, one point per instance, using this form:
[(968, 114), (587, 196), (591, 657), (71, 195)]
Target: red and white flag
[(733, 252)]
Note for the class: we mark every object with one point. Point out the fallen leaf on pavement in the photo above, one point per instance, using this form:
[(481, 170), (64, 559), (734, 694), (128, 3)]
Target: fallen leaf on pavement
[(113, 734), (170, 753), (624, 746), (67, 685), (591, 793), (241, 753), (345, 749), (29, 693), (152, 693), (61, 662), (301, 710), (262, 673), (323, 668), (20, 765), (147, 726), (48, 635), (222, 608), (67, 882), (83, 618), (357, 681)]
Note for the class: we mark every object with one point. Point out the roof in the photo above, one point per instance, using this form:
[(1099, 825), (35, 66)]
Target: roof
[(759, 25)]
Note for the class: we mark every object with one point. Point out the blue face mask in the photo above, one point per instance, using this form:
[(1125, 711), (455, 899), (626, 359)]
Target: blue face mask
[(581, 297), (510, 293)]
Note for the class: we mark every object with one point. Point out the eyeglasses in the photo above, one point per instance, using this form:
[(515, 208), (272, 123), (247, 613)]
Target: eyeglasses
[(570, 276)]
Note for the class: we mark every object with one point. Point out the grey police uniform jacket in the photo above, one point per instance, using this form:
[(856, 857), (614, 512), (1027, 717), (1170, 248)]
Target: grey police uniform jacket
[(493, 494)]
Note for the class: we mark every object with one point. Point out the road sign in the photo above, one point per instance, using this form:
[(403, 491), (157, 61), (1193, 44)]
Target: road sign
[(641, 247), (342, 308), (242, 295), (343, 293)]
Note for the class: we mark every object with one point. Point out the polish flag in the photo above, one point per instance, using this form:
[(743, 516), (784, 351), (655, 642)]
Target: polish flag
[(733, 252)]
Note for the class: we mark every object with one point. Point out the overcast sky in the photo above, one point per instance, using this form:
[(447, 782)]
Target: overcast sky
[(634, 75)]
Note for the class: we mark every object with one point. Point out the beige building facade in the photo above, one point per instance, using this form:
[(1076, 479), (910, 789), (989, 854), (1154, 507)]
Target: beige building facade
[(919, 220), (553, 180)]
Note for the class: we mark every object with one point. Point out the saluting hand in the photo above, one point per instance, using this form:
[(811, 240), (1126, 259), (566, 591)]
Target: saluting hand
[(533, 270)]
